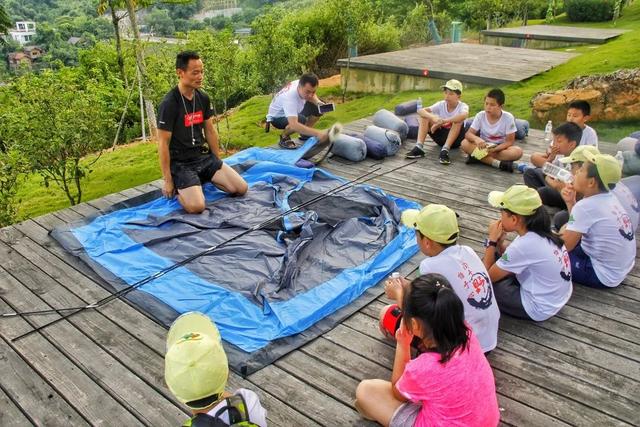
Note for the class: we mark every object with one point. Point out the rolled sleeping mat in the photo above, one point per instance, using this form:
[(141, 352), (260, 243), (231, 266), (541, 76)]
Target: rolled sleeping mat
[(635, 134), (349, 147), (626, 144), (405, 108), (522, 129), (387, 137), (631, 164), (375, 149), (386, 119), (413, 122)]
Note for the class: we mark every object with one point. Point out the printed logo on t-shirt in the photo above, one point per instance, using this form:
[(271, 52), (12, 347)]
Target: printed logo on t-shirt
[(478, 286), (505, 257), (191, 119), (625, 227), (495, 137), (571, 219), (563, 257)]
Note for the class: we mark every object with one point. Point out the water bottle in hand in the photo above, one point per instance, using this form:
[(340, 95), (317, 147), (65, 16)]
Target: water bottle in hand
[(548, 129)]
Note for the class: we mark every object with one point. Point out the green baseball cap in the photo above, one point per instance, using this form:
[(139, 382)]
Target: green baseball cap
[(437, 222), (518, 199), (195, 365), (577, 155), (609, 169), (452, 84)]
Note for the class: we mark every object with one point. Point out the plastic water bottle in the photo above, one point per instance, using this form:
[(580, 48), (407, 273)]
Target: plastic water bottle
[(419, 104), (548, 138), (561, 174), (620, 158), (395, 275)]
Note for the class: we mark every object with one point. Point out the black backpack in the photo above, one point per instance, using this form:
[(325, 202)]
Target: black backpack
[(236, 408)]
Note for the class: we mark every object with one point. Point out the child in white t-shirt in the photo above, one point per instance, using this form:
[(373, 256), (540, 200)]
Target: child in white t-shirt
[(436, 233), (444, 122), (492, 135), (532, 277), (579, 112), (196, 371), (599, 233)]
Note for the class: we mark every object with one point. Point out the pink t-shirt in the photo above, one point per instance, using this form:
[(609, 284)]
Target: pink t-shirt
[(461, 392)]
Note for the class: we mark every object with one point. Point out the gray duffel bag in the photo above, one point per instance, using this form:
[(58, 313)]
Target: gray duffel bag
[(390, 139), (386, 119), (349, 147)]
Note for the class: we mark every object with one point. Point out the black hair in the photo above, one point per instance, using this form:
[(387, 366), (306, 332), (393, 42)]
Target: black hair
[(592, 172), (204, 402), (496, 94), (569, 130), (308, 78), (458, 92), (183, 58), (431, 301), (444, 245), (540, 223), (581, 105)]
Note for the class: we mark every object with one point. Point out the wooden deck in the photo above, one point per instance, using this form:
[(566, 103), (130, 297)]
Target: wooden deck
[(470, 63), (105, 367), (557, 33)]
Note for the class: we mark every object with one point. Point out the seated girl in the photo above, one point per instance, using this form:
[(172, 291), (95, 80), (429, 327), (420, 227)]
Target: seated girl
[(451, 383), (532, 276)]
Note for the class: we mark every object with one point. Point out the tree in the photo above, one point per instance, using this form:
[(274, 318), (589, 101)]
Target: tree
[(5, 24), (56, 119)]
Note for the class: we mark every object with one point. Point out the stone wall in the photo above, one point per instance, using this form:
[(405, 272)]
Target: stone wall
[(613, 97)]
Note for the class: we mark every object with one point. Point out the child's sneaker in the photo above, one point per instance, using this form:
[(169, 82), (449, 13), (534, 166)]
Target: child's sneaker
[(506, 165), (415, 153), (522, 168), (444, 157)]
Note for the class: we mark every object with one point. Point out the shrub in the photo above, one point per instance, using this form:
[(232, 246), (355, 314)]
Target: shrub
[(589, 10)]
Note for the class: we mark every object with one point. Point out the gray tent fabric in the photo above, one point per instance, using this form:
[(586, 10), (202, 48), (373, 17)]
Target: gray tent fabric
[(386, 119), (349, 147), (390, 139), (278, 262)]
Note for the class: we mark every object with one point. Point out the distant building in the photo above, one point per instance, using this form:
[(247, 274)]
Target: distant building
[(24, 59), (24, 33)]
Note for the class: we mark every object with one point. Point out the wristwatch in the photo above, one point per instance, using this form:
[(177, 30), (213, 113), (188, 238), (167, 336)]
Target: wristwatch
[(488, 243)]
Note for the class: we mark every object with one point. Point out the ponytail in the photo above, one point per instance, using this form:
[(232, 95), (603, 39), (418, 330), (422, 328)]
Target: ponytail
[(431, 301), (540, 223)]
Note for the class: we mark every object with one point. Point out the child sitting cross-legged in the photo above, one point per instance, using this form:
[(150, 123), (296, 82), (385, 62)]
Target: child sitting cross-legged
[(450, 384), (492, 135), (600, 233), (532, 276), (437, 235), (196, 371)]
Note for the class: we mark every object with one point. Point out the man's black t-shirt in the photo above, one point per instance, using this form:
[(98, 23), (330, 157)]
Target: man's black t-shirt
[(185, 120)]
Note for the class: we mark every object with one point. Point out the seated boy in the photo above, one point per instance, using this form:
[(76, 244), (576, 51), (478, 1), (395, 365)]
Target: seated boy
[(443, 121), (565, 140), (492, 135), (579, 112), (196, 372), (599, 235), (437, 233)]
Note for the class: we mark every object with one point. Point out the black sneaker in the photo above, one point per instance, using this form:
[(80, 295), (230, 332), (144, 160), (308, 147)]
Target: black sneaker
[(444, 157), (415, 153), (506, 165), (471, 160)]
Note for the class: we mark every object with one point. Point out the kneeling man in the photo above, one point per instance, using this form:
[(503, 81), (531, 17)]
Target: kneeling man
[(184, 125)]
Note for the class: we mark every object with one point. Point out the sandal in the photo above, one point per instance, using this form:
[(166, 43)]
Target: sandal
[(287, 143)]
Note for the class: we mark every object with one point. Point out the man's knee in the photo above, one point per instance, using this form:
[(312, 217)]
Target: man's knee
[(193, 206)]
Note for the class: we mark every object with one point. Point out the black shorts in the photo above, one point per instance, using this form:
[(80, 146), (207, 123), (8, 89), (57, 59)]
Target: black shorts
[(194, 172), (441, 134), (308, 110)]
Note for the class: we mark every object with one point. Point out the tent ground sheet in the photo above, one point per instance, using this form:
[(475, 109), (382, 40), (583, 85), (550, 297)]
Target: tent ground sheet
[(271, 290)]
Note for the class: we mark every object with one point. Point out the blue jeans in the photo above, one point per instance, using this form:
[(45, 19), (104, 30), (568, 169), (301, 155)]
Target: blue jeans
[(582, 269)]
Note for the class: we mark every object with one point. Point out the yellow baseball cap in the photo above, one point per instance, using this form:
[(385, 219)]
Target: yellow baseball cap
[(609, 170), (453, 84), (518, 199), (577, 155), (437, 222), (195, 365)]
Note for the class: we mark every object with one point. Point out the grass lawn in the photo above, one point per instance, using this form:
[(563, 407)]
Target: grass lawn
[(137, 164)]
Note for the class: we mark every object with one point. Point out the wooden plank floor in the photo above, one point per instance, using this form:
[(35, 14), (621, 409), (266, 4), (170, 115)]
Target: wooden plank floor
[(557, 32), (105, 367), (469, 63)]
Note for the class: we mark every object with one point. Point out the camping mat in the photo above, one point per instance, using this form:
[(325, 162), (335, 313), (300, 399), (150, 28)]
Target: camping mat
[(270, 291)]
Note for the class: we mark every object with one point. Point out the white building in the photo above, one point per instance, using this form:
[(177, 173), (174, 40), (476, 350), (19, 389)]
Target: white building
[(24, 33)]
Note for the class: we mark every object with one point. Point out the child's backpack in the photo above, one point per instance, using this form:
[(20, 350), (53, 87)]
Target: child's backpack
[(236, 408)]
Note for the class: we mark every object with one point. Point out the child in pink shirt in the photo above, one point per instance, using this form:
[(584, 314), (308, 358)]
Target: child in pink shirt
[(451, 384)]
